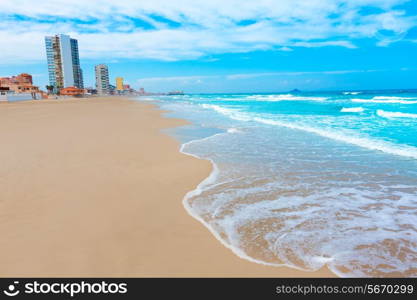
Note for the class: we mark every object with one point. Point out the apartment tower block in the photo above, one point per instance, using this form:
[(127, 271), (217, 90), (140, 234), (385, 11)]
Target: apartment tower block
[(102, 79), (63, 62)]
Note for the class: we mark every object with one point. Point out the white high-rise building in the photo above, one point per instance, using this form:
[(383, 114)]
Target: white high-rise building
[(63, 62), (102, 79)]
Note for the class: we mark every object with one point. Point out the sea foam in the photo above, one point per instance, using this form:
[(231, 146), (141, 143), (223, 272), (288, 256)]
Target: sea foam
[(315, 229), (351, 93), (390, 114), (285, 97), (278, 195), (368, 143), (233, 130), (387, 100), (352, 109), (337, 135)]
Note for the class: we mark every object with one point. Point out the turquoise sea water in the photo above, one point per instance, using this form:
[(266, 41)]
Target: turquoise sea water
[(308, 179)]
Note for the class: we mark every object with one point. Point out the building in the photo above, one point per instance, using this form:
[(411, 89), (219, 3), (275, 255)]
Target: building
[(7, 95), (20, 87), (119, 84), (11, 96), (63, 62), (22, 83), (91, 91), (4, 93), (102, 80), (112, 89), (72, 91)]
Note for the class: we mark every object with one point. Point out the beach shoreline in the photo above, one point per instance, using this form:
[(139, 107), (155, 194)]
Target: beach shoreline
[(93, 188)]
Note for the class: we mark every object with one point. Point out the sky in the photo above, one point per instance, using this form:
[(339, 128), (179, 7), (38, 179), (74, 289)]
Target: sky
[(221, 46)]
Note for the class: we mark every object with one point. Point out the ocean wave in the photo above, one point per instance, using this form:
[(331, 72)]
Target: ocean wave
[(350, 138), (231, 113), (402, 150), (392, 98), (384, 99), (352, 109), (351, 93), (306, 221), (271, 200), (286, 97), (217, 108), (391, 114), (233, 130)]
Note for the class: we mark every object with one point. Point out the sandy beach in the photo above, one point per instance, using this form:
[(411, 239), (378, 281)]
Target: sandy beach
[(92, 187)]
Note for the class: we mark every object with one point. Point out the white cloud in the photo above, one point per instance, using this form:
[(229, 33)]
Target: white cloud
[(110, 29), (286, 49), (346, 44)]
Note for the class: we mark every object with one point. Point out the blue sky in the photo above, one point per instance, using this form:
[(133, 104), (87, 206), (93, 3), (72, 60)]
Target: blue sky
[(222, 45)]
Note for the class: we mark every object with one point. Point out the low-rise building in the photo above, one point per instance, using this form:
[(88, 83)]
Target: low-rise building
[(22, 83), (20, 87), (72, 91), (4, 92)]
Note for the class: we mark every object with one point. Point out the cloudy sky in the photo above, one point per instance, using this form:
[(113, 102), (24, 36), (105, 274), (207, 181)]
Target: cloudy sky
[(222, 45)]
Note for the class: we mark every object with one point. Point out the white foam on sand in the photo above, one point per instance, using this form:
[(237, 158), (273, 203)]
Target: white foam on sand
[(198, 190), (315, 248), (285, 241)]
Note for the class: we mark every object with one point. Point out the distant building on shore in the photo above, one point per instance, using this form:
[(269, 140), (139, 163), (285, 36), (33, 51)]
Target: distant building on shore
[(119, 84), (22, 83), (63, 62), (112, 89), (102, 79), (4, 93), (176, 93), (91, 90), (72, 91), (19, 87)]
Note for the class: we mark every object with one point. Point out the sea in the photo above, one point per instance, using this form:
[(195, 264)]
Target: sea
[(307, 179)]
